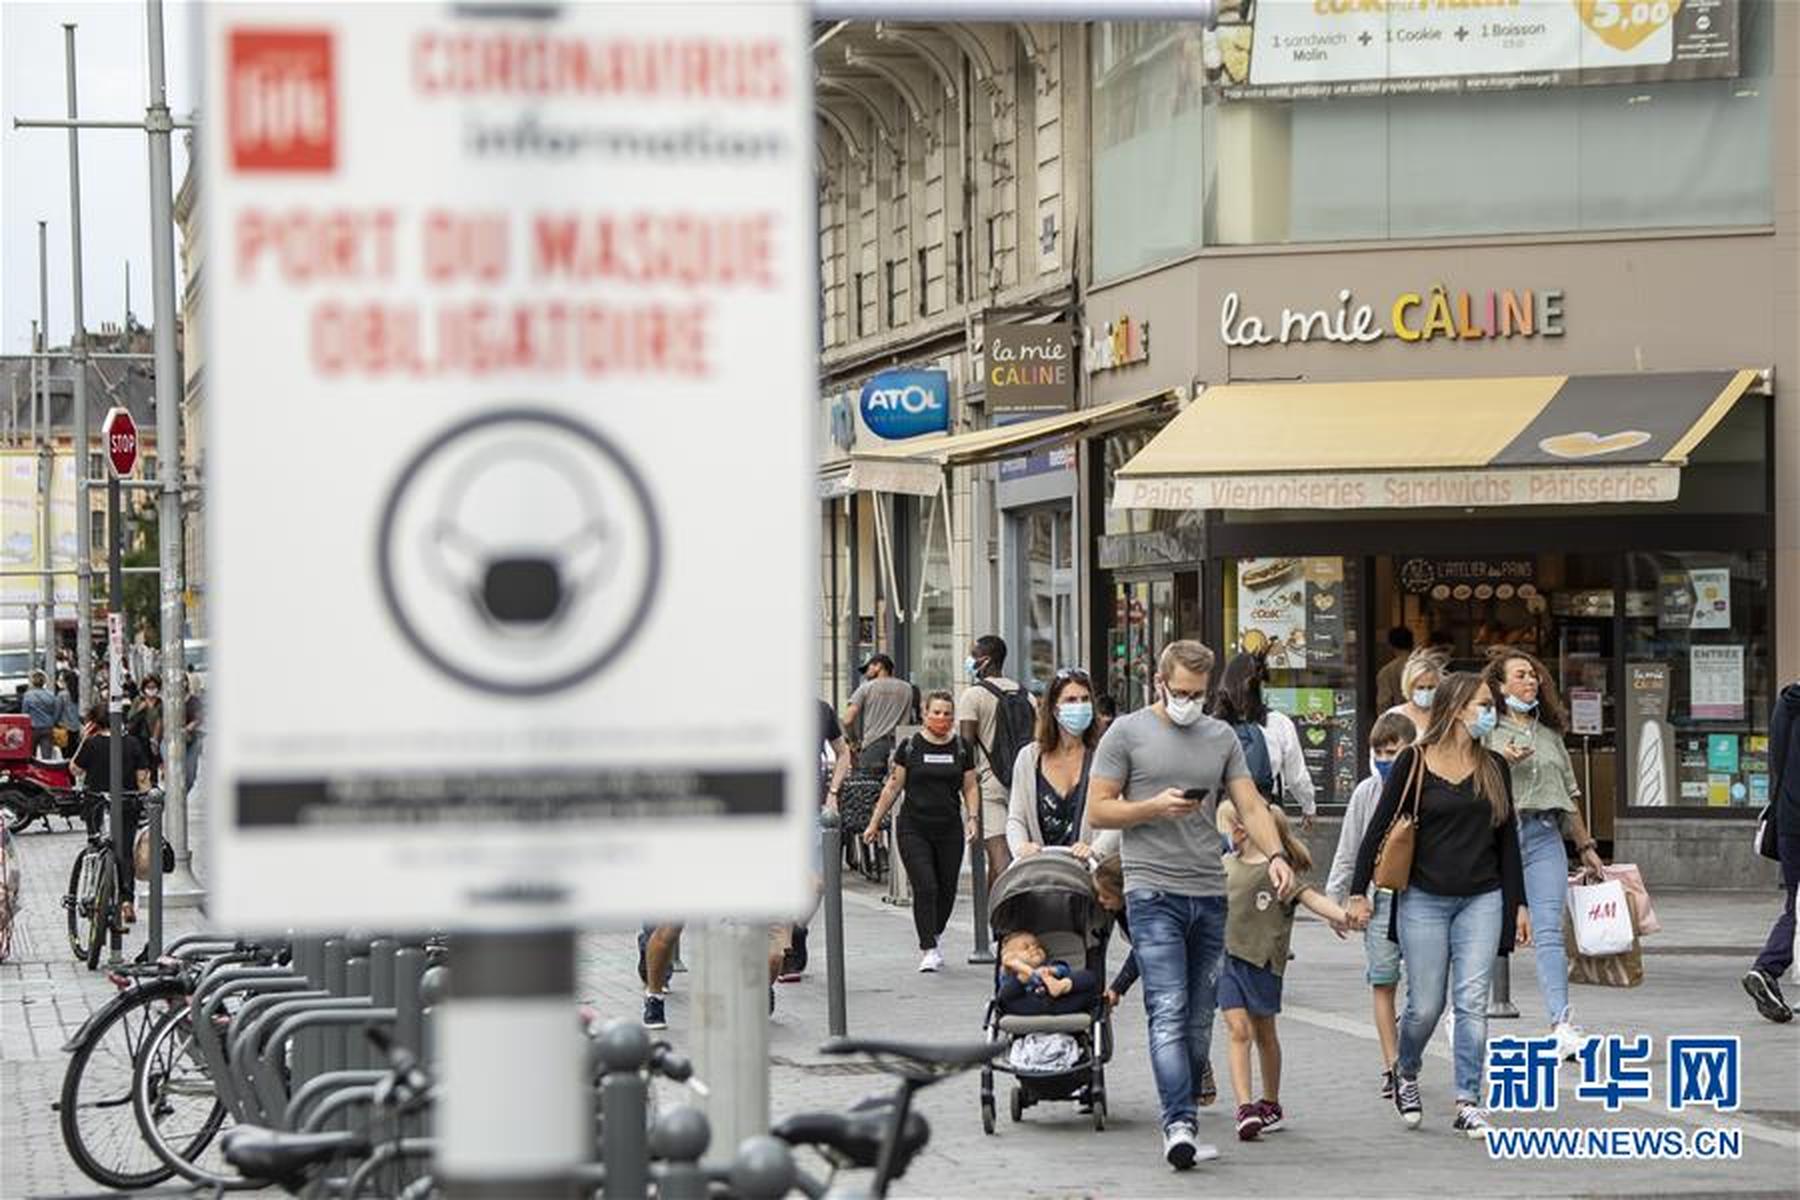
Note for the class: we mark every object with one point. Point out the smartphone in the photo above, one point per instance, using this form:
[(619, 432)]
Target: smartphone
[(1197, 795)]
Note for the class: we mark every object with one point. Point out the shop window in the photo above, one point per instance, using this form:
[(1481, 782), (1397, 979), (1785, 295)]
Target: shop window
[(1044, 570), (1303, 615), (1147, 614), (1147, 81), (932, 655), (1697, 688), (1431, 164)]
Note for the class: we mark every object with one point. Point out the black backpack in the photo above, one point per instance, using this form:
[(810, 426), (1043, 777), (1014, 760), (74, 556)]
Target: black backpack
[(1015, 725)]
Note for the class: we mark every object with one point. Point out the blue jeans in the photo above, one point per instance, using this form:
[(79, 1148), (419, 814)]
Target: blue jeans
[(1546, 895), (1449, 942), (1180, 944)]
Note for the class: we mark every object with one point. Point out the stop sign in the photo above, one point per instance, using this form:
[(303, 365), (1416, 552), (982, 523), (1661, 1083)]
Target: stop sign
[(120, 434)]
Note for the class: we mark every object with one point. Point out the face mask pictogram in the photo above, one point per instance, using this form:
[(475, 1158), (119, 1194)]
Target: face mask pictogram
[(525, 539)]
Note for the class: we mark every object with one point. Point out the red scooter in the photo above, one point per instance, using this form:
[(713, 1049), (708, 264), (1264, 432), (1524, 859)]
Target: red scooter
[(32, 788)]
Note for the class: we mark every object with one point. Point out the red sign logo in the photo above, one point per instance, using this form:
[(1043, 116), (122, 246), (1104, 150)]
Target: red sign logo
[(281, 101), (121, 436)]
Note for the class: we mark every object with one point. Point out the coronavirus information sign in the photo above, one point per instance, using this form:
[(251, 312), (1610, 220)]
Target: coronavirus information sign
[(510, 520)]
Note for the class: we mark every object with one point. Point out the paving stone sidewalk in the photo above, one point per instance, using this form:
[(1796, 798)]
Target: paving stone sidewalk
[(1341, 1140)]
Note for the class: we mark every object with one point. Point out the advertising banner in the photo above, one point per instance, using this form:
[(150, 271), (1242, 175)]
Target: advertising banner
[(1314, 49), (522, 274), (22, 532)]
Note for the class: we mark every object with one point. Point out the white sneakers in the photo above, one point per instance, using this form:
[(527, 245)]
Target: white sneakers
[(1569, 1039), (931, 961)]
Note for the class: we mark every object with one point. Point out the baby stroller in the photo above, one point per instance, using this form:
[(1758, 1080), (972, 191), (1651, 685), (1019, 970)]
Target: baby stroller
[(1051, 894)]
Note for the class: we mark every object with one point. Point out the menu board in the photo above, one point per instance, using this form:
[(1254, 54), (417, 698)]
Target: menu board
[(1716, 683), (1326, 722), (1292, 611)]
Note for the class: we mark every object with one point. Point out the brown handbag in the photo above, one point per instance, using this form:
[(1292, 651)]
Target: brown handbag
[(1394, 858)]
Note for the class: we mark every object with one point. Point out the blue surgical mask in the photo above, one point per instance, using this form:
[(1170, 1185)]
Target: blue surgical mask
[(970, 668), (1483, 725), (1075, 716), (1518, 705), (1383, 766), (1422, 697)]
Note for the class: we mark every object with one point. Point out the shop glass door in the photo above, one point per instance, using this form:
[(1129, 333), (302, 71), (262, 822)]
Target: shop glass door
[(1147, 614), (1044, 565)]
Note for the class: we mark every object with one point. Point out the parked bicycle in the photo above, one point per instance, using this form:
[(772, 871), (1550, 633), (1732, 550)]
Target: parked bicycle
[(97, 887)]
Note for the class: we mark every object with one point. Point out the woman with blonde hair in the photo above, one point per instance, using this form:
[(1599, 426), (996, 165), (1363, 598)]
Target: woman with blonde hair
[(1529, 736), (1418, 683), (1461, 905)]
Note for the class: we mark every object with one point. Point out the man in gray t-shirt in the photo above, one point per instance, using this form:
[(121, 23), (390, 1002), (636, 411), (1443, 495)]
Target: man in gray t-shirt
[(1150, 754), (877, 708), (1174, 882)]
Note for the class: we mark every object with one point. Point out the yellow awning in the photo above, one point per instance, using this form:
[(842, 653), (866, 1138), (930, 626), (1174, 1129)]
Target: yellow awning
[(1425, 443), (915, 466)]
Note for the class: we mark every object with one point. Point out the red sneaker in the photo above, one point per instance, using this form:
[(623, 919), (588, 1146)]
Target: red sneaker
[(1270, 1113), (1249, 1122)]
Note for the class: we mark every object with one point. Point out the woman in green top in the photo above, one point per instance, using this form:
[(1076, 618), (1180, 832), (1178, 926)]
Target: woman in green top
[(1529, 736)]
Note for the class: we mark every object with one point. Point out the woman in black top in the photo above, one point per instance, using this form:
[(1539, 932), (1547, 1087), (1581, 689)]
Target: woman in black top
[(936, 769), (1461, 905)]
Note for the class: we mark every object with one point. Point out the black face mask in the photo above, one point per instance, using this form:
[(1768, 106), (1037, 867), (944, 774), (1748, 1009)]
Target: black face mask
[(521, 591)]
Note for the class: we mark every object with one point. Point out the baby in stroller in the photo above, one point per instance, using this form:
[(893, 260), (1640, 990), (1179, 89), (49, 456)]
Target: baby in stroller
[(1033, 986), (1048, 1009)]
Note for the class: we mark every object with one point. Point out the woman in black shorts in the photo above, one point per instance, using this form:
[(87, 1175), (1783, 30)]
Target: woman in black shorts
[(936, 769)]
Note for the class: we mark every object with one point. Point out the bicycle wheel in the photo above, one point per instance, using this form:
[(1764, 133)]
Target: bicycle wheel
[(178, 1111), (94, 1112), (78, 900), (101, 910)]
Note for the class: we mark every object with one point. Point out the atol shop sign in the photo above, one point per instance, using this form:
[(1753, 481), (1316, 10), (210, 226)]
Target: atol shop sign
[(903, 404), (1435, 315)]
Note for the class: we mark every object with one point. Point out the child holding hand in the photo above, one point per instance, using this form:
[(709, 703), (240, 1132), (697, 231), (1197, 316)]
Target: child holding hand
[(1259, 923)]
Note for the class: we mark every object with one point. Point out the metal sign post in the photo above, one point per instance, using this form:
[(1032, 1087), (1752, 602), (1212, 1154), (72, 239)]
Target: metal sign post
[(119, 434), (566, 304)]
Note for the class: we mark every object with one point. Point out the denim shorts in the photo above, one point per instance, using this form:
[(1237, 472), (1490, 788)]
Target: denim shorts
[(1382, 953), (1256, 990)]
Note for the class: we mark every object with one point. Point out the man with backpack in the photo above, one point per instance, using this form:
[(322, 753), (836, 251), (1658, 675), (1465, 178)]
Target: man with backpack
[(997, 717)]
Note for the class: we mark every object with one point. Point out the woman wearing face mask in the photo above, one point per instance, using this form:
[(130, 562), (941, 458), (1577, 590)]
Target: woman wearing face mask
[(936, 769), (1463, 901), (1419, 681), (1529, 737), (1048, 801)]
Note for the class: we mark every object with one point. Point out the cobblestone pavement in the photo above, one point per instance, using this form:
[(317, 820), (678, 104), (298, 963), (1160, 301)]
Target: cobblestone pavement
[(1341, 1139)]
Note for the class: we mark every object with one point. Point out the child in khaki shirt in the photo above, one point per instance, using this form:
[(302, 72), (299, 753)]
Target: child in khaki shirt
[(1259, 923)]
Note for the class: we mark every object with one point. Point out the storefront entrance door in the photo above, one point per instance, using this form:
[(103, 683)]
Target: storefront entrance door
[(1147, 614)]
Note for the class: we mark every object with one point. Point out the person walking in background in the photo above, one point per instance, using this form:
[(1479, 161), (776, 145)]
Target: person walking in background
[(1419, 681), (1392, 733), (1048, 805), (1158, 775), (936, 770), (996, 718), (40, 704), (1240, 703), (1106, 711), (1464, 899), (877, 708), (1389, 688), (1529, 735), (1762, 979)]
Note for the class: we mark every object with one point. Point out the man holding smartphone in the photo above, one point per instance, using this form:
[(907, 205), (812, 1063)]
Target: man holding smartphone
[(1158, 775)]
